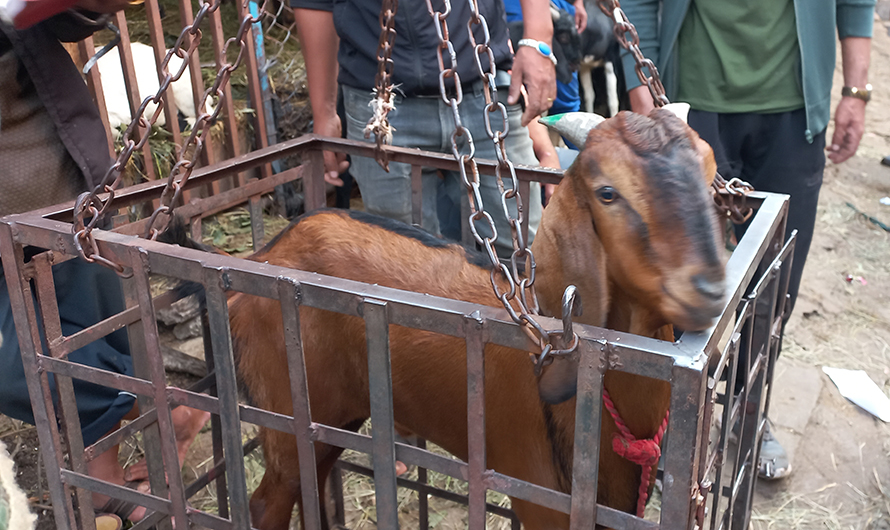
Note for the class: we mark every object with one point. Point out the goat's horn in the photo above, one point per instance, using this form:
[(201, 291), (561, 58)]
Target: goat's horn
[(680, 110), (573, 126)]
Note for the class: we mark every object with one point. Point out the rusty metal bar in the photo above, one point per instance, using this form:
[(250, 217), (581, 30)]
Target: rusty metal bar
[(101, 329), (423, 501), (380, 386), (154, 366), (424, 489), (525, 191), (159, 48), (128, 69), (232, 135), (314, 185), (257, 230), (513, 487), (222, 490), (152, 502), (214, 282), (221, 202), (112, 439), (681, 450), (296, 365), (585, 460), (476, 421), (70, 420), (187, 18), (21, 301), (148, 191)]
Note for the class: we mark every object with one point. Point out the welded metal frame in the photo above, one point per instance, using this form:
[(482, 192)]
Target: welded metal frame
[(694, 365)]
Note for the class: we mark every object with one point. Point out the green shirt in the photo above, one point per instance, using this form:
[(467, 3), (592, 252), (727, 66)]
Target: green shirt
[(740, 56)]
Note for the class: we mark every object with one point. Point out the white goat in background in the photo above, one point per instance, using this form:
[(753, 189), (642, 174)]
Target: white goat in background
[(116, 101), (598, 45)]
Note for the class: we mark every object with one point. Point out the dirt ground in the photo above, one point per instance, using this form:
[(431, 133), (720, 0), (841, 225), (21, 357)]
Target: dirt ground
[(840, 454)]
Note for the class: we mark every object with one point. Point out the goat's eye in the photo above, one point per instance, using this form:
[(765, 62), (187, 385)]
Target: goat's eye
[(606, 194)]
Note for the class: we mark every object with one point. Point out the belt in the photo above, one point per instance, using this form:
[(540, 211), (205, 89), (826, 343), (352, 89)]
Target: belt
[(502, 81)]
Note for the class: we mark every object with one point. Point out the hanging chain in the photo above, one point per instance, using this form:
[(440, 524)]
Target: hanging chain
[(552, 343), (645, 68), (90, 206), (730, 197), (382, 102)]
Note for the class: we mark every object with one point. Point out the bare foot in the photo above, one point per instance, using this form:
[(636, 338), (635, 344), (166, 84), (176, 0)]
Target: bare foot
[(106, 467), (187, 423)]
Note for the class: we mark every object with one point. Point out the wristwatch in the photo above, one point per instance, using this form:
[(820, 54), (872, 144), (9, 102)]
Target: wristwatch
[(542, 47), (855, 92)]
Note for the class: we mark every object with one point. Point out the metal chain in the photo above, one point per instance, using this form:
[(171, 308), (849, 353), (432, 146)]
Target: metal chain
[(622, 28), (382, 102), (552, 343), (90, 206), (730, 197)]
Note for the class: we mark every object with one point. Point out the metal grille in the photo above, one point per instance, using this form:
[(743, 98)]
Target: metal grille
[(704, 483)]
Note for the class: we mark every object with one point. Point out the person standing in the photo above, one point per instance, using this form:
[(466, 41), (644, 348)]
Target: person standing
[(339, 40), (53, 147), (758, 75)]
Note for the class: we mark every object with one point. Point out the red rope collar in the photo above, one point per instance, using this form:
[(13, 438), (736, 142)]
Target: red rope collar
[(645, 452)]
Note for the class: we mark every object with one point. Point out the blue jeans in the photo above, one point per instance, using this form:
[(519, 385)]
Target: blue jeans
[(426, 122)]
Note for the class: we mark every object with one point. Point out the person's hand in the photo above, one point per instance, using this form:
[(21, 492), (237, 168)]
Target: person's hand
[(102, 6), (849, 124), (538, 74), (334, 163), (580, 16), (641, 100)]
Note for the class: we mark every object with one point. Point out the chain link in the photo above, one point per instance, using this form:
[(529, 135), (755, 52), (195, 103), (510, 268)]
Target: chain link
[(90, 208), (645, 68), (524, 307), (382, 103)]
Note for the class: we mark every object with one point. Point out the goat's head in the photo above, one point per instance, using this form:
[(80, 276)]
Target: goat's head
[(645, 184)]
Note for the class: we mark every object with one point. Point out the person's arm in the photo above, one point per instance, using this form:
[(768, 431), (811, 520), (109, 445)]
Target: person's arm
[(544, 152), (580, 16), (643, 14), (849, 117), (530, 68), (319, 44)]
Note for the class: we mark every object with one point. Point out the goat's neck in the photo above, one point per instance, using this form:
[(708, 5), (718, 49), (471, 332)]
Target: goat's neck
[(625, 314), (568, 252)]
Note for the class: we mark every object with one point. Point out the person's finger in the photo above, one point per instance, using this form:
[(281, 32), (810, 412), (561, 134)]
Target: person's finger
[(515, 85), (332, 177), (332, 164)]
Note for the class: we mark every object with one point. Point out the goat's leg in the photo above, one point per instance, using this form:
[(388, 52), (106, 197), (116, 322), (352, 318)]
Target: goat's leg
[(273, 501), (585, 74), (611, 88)]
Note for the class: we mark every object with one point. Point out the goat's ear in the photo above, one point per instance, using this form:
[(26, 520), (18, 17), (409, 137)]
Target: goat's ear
[(708, 162), (559, 381)]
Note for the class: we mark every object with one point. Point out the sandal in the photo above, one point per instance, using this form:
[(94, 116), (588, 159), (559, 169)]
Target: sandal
[(112, 514)]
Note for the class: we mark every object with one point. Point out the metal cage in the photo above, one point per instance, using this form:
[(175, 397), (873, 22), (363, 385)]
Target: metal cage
[(707, 482)]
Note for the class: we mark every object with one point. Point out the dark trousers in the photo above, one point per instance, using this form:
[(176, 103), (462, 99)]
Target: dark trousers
[(771, 152), (86, 294)]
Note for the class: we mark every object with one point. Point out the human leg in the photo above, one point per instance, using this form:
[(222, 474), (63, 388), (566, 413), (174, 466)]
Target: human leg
[(416, 124), (87, 294)]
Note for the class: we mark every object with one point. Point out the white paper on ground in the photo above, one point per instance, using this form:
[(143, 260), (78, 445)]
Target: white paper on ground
[(856, 386)]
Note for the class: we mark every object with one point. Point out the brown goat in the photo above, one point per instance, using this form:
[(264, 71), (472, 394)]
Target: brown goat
[(632, 218)]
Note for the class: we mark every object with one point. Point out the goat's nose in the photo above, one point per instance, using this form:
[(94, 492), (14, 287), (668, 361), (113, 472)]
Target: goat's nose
[(709, 287)]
